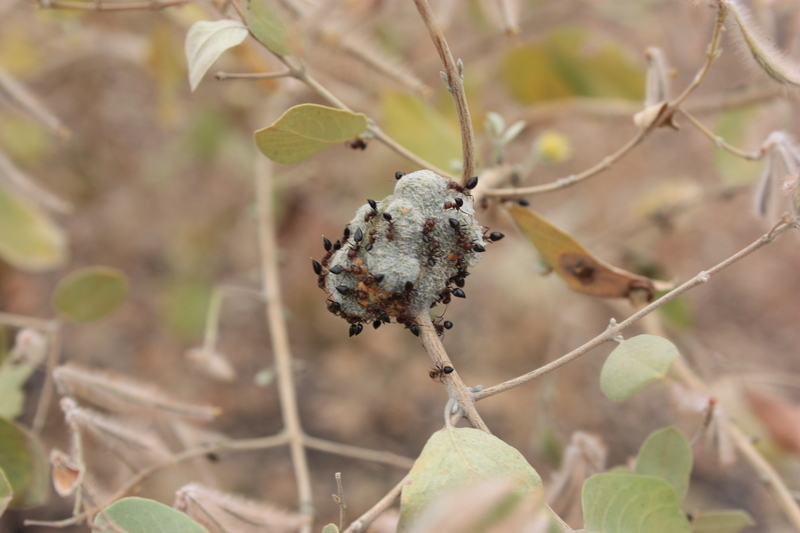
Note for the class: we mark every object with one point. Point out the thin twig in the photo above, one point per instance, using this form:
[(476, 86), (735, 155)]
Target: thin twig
[(340, 500), (280, 338), (367, 518), (719, 142), (122, 6), (453, 72), (357, 452), (456, 388), (664, 118), (223, 76), (46, 396), (46, 325), (615, 329)]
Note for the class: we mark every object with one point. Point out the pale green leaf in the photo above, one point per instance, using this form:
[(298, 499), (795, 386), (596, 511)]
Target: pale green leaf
[(266, 25), (206, 41), (12, 379), (29, 240), (459, 457), (730, 521), (330, 528), (6, 494), (667, 454), (421, 128), (139, 515), (635, 363), (304, 130), (625, 503), (90, 293), (25, 464)]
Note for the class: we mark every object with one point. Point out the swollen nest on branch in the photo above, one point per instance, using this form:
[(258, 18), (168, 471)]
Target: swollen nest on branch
[(402, 255)]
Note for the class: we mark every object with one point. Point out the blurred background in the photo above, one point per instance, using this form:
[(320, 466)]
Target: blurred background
[(161, 184)]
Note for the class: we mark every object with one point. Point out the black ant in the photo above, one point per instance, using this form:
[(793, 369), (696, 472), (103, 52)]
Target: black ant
[(355, 329), (440, 371), (398, 175), (456, 204), (443, 326), (493, 236), (390, 231), (357, 144), (372, 214), (471, 184)]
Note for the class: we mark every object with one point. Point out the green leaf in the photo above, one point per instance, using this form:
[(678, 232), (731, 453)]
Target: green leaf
[(563, 66), (625, 503), (29, 240), (722, 521), (24, 462), (266, 25), (90, 293), (6, 494), (635, 363), (460, 457), (206, 41), (12, 379), (421, 128), (139, 515), (304, 130), (330, 528), (667, 454)]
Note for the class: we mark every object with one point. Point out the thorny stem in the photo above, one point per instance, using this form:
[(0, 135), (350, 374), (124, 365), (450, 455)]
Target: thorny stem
[(615, 329), (719, 142), (665, 118), (367, 518), (280, 337), (456, 388), (453, 73)]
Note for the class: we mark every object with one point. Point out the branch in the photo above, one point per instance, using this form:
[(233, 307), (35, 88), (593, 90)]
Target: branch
[(356, 452), (615, 329), (280, 337), (719, 142), (98, 5), (453, 72), (664, 118), (456, 388), (367, 518)]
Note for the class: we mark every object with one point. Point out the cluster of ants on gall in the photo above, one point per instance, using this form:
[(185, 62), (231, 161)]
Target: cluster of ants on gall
[(442, 245)]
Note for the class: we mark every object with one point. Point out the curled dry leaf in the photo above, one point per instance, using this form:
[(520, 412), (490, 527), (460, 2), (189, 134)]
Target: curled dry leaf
[(222, 512), (121, 394), (584, 457), (716, 431), (582, 271), (66, 474)]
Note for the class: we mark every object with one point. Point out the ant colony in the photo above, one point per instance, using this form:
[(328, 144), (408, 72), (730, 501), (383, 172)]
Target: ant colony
[(402, 255)]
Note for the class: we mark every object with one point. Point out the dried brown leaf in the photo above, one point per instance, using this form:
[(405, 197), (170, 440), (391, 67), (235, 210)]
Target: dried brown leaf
[(582, 271), (222, 512), (66, 474), (124, 395)]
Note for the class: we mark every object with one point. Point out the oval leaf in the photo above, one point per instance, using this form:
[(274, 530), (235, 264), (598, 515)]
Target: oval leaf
[(90, 293), (667, 454), (330, 528), (635, 363), (12, 381), (139, 515), (29, 240), (24, 462), (582, 271), (625, 503), (6, 494), (458, 457), (206, 41), (722, 521), (304, 130), (266, 25)]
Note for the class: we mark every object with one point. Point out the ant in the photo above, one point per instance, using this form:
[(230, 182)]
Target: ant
[(389, 232), (456, 204), (398, 175), (355, 329), (357, 144), (471, 184), (443, 326), (372, 214), (440, 371)]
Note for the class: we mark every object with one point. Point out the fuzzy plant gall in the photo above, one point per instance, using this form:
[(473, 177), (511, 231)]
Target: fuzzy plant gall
[(404, 254)]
